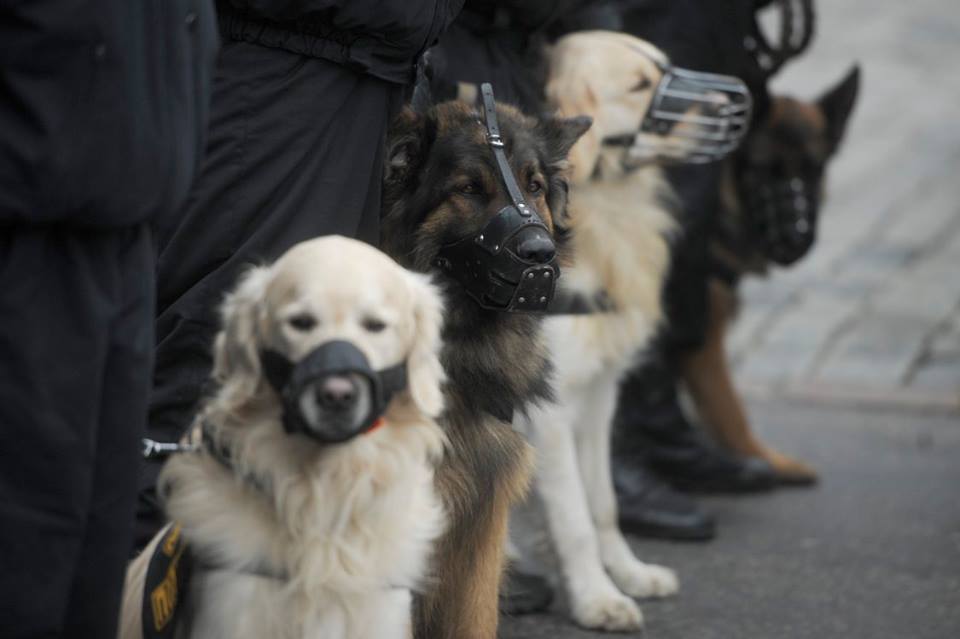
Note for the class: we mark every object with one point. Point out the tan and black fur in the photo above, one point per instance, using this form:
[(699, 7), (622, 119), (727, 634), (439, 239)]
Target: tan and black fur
[(440, 186), (795, 138)]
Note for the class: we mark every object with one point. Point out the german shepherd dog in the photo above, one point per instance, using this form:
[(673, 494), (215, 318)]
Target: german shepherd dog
[(441, 185), (771, 194)]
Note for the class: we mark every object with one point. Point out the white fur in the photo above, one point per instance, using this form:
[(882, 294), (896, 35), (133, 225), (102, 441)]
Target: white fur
[(620, 245), (350, 526)]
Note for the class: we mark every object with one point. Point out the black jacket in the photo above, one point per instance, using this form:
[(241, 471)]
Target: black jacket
[(706, 35), (501, 42), (103, 108), (382, 38)]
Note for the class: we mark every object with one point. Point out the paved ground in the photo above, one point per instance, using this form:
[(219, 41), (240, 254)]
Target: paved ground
[(872, 314), (852, 361), (873, 553)]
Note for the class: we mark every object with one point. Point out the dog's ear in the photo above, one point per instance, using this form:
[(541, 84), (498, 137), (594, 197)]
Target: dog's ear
[(561, 134), (404, 146), (425, 373), (236, 357), (837, 105), (575, 139)]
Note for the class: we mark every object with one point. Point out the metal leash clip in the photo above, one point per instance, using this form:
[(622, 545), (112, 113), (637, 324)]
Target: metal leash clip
[(153, 449)]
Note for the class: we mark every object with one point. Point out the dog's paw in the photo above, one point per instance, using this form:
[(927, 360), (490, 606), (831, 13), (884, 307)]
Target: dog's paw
[(638, 579), (611, 611)]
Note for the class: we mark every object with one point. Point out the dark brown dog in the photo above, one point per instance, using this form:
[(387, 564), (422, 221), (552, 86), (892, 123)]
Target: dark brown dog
[(771, 194), (441, 186)]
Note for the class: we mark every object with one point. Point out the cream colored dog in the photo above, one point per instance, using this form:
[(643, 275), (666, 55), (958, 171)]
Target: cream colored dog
[(620, 246), (293, 538)]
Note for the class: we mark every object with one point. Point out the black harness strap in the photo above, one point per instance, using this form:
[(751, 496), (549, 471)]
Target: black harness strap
[(565, 303), (222, 454)]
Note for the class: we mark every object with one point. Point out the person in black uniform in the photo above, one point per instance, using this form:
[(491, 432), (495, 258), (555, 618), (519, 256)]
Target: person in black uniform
[(103, 111), (652, 432), (304, 92), (502, 41)]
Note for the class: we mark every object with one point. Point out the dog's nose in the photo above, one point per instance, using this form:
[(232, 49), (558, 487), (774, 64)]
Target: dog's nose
[(536, 247), (337, 393)]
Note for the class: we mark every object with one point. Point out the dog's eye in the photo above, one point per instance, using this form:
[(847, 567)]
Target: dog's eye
[(373, 324), (302, 321), (642, 85), (470, 188), (534, 187)]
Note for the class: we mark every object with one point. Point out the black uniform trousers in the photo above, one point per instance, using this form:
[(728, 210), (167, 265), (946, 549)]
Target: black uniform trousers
[(705, 35), (295, 151), (76, 345)]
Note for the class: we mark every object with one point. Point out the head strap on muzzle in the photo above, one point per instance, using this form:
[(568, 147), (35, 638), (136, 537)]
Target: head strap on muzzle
[(693, 117), (487, 264)]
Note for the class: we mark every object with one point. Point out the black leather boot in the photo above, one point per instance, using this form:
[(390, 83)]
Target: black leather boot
[(651, 430), (524, 593), (648, 507)]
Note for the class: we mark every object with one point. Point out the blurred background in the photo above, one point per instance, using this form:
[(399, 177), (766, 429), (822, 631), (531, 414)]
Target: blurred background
[(851, 359), (871, 314)]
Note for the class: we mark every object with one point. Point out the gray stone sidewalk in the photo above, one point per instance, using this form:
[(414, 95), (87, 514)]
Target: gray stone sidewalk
[(873, 314), (871, 553)]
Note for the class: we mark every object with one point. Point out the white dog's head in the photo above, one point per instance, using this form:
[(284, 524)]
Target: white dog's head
[(325, 290), (615, 78), (609, 76)]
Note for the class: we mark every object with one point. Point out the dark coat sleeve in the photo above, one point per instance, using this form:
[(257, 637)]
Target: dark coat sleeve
[(413, 23), (103, 108), (381, 38)]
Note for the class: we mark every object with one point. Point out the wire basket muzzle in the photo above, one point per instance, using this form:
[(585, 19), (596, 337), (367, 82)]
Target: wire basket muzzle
[(695, 117)]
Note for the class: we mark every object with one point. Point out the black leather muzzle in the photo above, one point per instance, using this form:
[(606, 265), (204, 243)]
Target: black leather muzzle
[(782, 213), (511, 263), (337, 377)]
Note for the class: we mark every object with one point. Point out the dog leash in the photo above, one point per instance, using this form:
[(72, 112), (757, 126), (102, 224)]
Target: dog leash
[(200, 439)]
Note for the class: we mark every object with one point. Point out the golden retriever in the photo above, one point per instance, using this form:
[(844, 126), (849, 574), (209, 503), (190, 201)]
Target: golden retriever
[(291, 537)]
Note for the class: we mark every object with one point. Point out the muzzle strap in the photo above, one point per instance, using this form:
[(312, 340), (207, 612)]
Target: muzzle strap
[(276, 368), (392, 381), (488, 109)]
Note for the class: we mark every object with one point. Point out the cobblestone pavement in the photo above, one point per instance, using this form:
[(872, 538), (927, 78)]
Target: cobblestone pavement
[(872, 314)]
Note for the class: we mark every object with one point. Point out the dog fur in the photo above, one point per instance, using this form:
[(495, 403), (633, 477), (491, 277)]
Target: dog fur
[(301, 539), (796, 137), (620, 221), (441, 185)]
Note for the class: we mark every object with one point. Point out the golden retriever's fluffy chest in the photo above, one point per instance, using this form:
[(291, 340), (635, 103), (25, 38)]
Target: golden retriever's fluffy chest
[(584, 348), (620, 246), (356, 527)]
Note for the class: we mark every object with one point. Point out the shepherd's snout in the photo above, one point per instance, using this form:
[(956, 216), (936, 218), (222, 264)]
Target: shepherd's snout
[(536, 246), (337, 393)]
